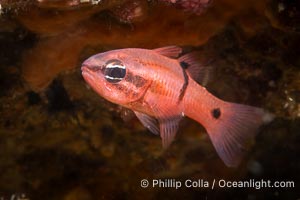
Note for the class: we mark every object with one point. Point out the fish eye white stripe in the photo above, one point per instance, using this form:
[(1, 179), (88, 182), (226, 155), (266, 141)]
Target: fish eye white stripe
[(115, 66), (112, 78)]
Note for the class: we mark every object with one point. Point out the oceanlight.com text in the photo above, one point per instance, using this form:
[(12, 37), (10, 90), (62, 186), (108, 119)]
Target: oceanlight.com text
[(220, 183)]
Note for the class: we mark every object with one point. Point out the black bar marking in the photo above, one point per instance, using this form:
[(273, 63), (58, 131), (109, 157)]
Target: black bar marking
[(184, 86), (184, 65)]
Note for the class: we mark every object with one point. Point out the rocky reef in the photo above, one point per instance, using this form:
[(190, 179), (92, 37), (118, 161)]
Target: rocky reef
[(59, 140)]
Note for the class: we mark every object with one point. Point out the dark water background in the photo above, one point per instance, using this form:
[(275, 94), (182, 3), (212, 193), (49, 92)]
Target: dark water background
[(59, 140)]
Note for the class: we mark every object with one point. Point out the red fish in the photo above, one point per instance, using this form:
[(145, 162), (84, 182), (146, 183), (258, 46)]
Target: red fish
[(160, 87)]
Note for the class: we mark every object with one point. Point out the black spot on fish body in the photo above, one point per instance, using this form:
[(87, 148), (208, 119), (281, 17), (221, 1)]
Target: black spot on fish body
[(216, 113), (184, 65)]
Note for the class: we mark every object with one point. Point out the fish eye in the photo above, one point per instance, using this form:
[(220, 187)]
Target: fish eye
[(114, 71)]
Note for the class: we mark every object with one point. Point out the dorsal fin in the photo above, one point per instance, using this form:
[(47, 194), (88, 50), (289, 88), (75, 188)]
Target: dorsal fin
[(198, 69), (169, 51)]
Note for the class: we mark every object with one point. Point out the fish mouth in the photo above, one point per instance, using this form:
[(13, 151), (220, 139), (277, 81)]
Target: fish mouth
[(87, 73), (84, 68)]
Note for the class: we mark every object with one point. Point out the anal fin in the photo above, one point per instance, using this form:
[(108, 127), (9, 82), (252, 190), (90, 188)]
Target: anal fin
[(168, 130), (168, 115)]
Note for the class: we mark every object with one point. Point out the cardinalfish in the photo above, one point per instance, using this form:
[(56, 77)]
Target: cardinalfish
[(162, 87)]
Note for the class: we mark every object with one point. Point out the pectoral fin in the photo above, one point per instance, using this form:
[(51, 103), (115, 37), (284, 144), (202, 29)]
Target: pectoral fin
[(167, 127), (149, 122)]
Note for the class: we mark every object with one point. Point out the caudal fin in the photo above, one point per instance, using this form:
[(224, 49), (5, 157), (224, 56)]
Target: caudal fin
[(231, 129)]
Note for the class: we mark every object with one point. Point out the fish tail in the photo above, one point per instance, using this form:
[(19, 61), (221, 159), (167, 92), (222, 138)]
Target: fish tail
[(231, 128)]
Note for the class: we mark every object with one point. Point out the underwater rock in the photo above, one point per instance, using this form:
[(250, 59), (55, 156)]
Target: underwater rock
[(193, 6), (15, 5), (58, 97), (15, 42), (130, 11), (49, 57), (78, 193), (49, 17), (53, 21), (33, 98), (284, 14), (64, 49), (85, 150), (66, 4)]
